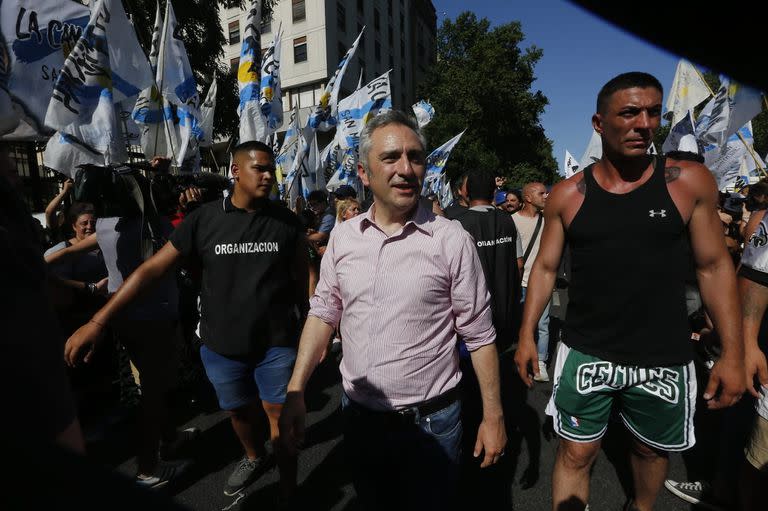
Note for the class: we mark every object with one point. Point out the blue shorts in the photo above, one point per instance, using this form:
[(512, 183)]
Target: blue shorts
[(238, 382)]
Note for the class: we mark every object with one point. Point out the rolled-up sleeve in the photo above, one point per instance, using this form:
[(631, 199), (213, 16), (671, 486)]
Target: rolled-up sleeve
[(470, 299), (325, 304)]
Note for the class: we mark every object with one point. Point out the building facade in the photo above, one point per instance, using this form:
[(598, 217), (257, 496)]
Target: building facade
[(400, 37)]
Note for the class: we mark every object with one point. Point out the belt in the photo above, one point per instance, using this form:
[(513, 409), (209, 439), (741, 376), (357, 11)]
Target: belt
[(409, 413)]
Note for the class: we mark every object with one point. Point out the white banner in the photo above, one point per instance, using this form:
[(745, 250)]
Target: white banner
[(359, 107), (688, 90), (206, 114), (63, 154), (253, 126), (424, 112)]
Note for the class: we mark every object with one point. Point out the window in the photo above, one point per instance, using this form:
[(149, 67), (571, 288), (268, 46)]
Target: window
[(378, 51), (376, 20), (306, 96), (234, 32), (300, 49), (234, 64), (360, 7), (266, 26), (341, 17), (299, 11)]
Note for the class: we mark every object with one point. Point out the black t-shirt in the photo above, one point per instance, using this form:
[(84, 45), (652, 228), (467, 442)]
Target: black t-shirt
[(248, 294), (495, 237)]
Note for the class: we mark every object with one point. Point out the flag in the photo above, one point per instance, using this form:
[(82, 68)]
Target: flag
[(571, 165), (271, 99), (344, 163), (744, 105), (177, 85), (684, 127), (36, 37), (325, 115), (253, 126), (359, 107), (445, 194), (713, 118), (435, 165), (150, 109), (725, 161), (312, 176), (105, 67), (206, 115), (284, 159), (688, 90), (742, 181), (593, 152), (424, 112), (63, 153)]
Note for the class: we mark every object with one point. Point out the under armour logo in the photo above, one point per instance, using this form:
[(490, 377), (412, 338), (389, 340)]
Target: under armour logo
[(662, 213)]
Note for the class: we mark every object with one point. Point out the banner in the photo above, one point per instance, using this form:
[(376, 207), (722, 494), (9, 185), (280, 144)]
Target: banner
[(344, 165), (725, 161), (36, 37), (688, 90), (284, 159), (177, 85), (424, 112), (359, 107), (271, 99), (312, 176), (571, 165), (206, 115), (435, 166), (105, 67), (325, 115)]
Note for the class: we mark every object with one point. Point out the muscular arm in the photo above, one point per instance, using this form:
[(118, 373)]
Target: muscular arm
[(717, 282), (754, 301)]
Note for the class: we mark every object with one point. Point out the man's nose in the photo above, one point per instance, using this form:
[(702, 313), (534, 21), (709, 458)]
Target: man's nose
[(404, 165)]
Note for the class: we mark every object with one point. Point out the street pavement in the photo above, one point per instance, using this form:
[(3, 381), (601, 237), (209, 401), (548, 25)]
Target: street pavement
[(522, 480)]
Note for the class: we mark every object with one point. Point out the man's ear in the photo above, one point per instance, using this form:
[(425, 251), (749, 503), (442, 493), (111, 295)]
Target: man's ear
[(235, 170), (597, 123), (362, 174)]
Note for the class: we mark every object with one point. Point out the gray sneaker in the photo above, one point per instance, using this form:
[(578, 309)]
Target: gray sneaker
[(244, 474)]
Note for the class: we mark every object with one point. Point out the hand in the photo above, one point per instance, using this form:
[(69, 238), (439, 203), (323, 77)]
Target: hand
[(291, 422), (82, 341), (491, 438), (160, 163), (755, 365), (101, 286), (191, 194), (728, 376), (67, 187), (527, 356)]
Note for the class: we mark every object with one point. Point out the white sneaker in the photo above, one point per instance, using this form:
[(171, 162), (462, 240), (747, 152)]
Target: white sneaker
[(543, 376)]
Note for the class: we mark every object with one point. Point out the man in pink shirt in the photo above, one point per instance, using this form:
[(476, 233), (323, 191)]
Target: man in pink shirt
[(402, 283)]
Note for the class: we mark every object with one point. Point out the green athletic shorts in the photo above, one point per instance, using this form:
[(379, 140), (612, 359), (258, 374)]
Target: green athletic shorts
[(656, 403)]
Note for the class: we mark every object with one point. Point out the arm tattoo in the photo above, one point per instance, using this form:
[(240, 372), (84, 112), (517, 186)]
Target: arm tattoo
[(671, 173), (581, 186)]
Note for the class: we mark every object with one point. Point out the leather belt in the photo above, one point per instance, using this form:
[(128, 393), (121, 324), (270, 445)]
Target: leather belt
[(409, 413)]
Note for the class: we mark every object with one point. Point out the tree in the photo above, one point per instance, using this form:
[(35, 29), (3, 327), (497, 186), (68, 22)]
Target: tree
[(482, 82), (204, 40)]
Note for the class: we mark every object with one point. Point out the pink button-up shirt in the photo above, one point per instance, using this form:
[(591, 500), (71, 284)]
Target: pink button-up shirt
[(401, 300)]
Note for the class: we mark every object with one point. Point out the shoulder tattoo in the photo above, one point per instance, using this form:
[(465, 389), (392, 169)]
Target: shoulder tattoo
[(581, 186), (671, 173)]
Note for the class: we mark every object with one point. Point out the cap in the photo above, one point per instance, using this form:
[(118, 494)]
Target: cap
[(345, 192), (500, 197)]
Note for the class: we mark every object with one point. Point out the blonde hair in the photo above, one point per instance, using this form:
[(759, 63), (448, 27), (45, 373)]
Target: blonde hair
[(342, 207)]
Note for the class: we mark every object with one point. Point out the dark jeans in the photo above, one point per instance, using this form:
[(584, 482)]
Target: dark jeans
[(403, 462)]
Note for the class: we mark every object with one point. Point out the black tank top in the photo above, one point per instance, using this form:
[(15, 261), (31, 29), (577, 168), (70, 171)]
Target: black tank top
[(629, 263)]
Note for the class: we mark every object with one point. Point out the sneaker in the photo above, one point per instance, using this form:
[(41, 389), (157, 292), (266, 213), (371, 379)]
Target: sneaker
[(543, 376), (163, 474), (244, 474), (693, 492), (170, 450)]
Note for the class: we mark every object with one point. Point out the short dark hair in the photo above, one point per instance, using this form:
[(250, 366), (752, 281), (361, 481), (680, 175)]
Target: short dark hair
[(626, 81), (458, 182), (79, 208), (253, 145), (317, 196), (516, 193), (481, 185)]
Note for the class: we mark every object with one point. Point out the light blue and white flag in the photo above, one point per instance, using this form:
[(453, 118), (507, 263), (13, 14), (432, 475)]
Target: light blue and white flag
[(253, 126), (271, 99), (744, 103), (344, 165), (571, 165), (325, 115), (36, 37), (312, 175), (435, 167), (445, 194), (684, 127), (593, 152), (424, 112), (284, 158), (206, 114), (177, 85), (105, 67), (63, 153), (359, 107), (724, 161)]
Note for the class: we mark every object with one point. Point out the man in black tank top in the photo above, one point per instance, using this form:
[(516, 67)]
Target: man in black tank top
[(627, 342)]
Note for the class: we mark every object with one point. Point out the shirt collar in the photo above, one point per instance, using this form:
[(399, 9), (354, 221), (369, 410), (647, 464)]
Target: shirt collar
[(229, 207), (421, 219)]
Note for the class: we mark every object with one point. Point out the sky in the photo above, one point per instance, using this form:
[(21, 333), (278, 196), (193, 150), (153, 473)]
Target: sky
[(581, 53)]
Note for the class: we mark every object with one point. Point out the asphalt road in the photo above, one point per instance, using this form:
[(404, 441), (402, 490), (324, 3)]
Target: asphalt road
[(522, 481)]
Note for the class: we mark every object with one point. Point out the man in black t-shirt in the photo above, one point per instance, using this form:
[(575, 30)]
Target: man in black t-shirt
[(254, 293)]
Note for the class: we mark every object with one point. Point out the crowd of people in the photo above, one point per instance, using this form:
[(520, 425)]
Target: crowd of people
[(431, 313)]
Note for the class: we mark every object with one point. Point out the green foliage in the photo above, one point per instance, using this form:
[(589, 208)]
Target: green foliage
[(204, 40), (482, 82)]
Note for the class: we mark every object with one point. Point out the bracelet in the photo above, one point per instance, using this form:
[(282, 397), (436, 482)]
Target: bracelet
[(90, 287), (94, 321)]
